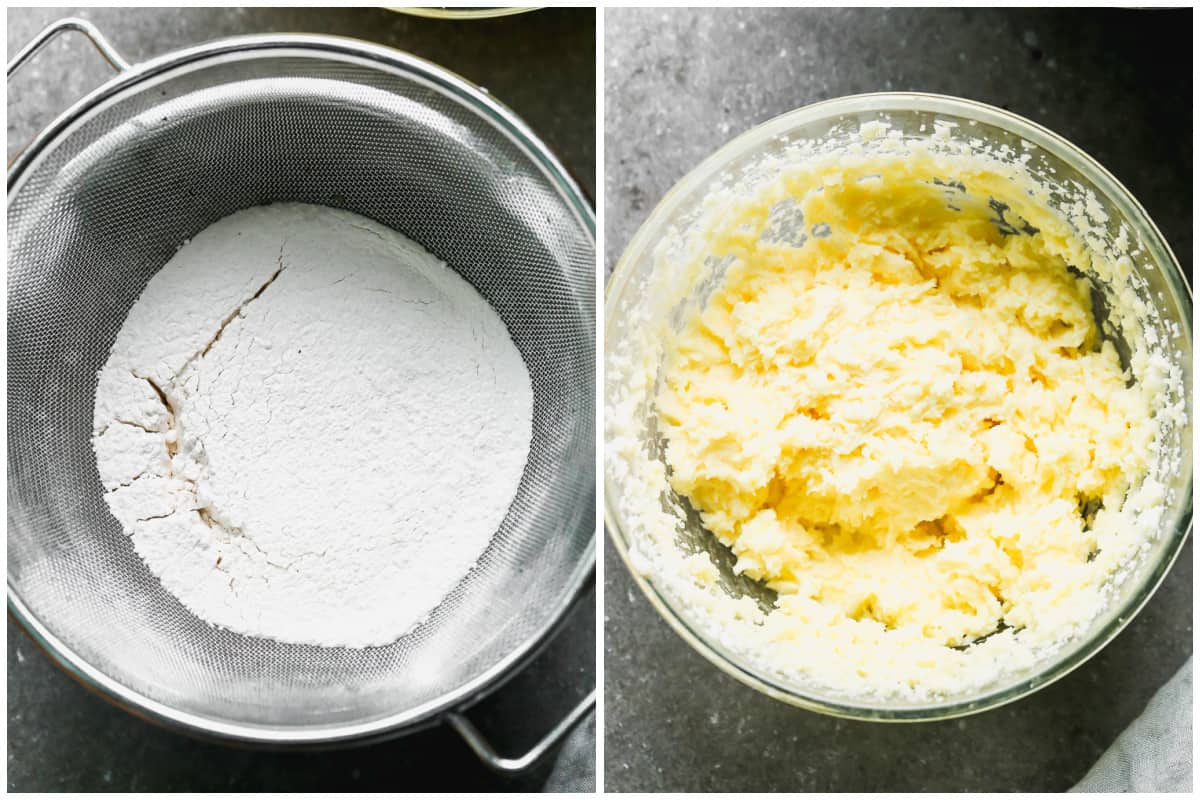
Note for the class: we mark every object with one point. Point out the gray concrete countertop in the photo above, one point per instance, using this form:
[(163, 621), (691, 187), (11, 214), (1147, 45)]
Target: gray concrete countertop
[(679, 84), (60, 737)]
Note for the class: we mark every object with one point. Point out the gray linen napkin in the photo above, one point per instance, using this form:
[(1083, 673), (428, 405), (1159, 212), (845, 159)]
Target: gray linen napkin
[(1154, 754)]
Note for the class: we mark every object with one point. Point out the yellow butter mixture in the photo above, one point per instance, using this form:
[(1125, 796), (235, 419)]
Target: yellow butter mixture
[(897, 411)]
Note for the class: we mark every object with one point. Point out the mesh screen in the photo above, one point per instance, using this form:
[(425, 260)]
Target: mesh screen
[(109, 203)]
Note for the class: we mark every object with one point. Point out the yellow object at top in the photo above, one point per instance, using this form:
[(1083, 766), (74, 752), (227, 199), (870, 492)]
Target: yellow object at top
[(899, 412)]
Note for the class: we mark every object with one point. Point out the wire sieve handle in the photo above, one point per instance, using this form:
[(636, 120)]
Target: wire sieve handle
[(54, 29), (511, 766)]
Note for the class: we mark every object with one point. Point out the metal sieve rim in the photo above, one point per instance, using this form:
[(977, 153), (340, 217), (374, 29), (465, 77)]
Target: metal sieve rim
[(505, 121)]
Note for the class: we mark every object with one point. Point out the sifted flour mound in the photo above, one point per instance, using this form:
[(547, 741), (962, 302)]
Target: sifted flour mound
[(310, 427)]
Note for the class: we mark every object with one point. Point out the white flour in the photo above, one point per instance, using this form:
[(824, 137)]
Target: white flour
[(310, 427)]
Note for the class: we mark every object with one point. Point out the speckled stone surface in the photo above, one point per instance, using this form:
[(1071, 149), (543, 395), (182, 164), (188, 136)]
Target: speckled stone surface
[(62, 738), (679, 84)]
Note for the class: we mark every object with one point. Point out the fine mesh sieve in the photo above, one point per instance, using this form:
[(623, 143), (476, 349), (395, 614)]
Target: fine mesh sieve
[(104, 197)]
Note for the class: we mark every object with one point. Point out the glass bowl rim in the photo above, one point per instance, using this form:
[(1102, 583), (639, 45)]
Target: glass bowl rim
[(1102, 181), (454, 13)]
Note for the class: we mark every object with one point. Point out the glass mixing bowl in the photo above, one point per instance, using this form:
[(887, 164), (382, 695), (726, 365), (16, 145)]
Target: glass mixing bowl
[(633, 298)]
